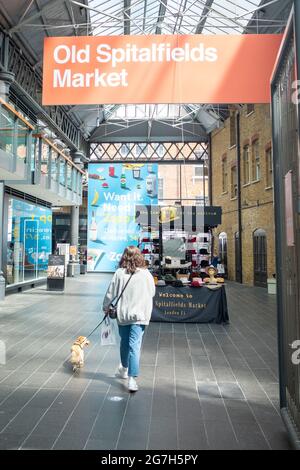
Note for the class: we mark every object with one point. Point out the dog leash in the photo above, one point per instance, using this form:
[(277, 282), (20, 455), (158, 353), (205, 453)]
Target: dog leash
[(105, 316)]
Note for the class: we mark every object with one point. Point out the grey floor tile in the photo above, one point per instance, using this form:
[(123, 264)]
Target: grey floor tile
[(220, 436), (10, 441), (70, 443), (276, 435), (272, 390), (36, 442), (191, 432), (250, 437), (208, 390), (100, 444), (231, 390), (239, 411), (214, 409), (200, 384), (163, 433)]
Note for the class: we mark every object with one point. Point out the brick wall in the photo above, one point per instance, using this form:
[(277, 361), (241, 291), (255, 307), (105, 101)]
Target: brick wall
[(256, 196)]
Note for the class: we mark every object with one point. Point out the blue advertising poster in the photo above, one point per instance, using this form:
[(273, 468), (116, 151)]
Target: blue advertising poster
[(32, 228), (113, 192)]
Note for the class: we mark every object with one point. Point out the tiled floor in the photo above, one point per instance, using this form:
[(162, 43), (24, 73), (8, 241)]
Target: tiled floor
[(202, 386)]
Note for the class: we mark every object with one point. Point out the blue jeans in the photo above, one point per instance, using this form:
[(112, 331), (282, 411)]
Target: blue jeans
[(130, 347)]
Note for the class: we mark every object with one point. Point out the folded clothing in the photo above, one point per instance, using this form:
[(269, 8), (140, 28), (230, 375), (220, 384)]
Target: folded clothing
[(178, 283), (169, 278), (196, 283), (195, 274)]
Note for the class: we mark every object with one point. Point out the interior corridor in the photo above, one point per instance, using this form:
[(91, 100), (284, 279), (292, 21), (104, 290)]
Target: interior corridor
[(202, 386)]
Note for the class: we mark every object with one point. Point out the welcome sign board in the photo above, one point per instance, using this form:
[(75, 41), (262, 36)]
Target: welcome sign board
[(158, 69)]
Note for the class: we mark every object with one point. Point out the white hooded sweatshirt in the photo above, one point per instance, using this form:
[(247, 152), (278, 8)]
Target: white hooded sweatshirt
[(135, 305)]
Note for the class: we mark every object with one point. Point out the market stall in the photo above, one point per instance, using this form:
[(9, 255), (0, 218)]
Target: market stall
[(176, 243)]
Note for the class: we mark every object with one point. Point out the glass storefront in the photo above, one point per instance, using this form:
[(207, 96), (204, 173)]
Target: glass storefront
[(29, 241)]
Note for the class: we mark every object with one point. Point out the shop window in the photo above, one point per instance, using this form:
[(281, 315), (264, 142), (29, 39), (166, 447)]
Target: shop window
[(7, 127), (60, 221), (232, 130), (69, 176), (141, 151), (54, 165), (160, 188), (21, 138), (269, 168), (29, 235), (246, 164), (200, 170), (125, 150), (158, 150), (224, 175), (255, 161), (233, 182), (44, 158), (62, 171)]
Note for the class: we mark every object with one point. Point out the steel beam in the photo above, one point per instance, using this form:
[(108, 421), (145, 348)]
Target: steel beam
[(127, 5), (161, 15), (30, 18), (28, 85), (138, 131), (205, 12)]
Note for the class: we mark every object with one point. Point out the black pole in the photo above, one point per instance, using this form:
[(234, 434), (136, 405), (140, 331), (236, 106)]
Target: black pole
[(203, 181), (160, 245), (210, 182), (180, 183), (239, 201), (278, 251), (297, 60)]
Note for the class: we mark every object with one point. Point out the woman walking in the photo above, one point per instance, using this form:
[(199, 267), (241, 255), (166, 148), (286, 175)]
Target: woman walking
[(134, 309)]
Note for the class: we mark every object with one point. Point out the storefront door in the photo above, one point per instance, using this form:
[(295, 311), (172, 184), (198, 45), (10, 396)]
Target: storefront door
[(260, 258), (30, 236)]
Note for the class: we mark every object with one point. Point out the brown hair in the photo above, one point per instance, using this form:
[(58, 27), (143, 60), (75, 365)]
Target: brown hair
[(132, 259)]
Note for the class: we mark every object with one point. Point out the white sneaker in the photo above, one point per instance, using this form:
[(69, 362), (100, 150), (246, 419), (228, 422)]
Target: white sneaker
[(123, 372), (132, 385)]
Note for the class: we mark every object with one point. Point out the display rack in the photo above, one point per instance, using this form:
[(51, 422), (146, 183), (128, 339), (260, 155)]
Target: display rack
[(197, 248), (149, 245)]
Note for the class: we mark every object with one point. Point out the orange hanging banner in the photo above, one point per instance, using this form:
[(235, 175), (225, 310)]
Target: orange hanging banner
[(158, 69)]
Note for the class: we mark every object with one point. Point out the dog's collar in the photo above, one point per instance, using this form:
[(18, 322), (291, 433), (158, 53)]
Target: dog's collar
[(78, 344)]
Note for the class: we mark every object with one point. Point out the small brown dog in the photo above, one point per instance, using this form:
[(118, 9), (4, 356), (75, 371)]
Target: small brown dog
[(77, 353)]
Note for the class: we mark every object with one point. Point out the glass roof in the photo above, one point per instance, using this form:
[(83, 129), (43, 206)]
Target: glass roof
[(150, 111), (117, 17)]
